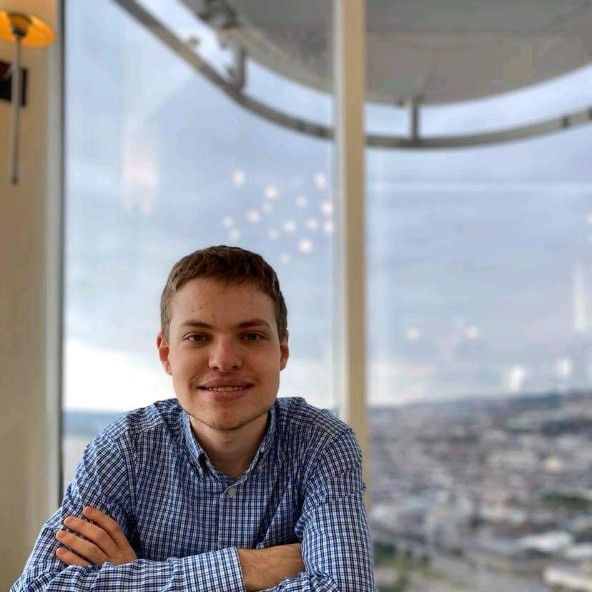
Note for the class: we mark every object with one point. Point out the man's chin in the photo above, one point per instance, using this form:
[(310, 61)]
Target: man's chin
[(224, 425)]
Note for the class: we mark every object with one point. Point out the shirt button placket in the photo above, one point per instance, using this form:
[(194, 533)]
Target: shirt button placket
[(229, 517)]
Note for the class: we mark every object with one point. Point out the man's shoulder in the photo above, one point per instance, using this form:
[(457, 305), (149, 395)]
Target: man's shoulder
[(133, 424), (314, 441), (297, 417)]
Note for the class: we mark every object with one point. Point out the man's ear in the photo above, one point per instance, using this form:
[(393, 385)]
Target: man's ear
[(163, 352), (284, 352)]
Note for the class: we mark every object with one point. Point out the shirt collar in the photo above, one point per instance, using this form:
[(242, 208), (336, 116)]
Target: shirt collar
[(195, 450), (199, 456)]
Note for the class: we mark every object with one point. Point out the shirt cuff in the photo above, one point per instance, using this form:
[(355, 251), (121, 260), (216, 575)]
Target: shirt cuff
[(216, 570)]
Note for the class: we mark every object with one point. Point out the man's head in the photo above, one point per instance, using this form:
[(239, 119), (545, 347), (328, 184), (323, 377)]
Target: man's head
[(230, 266), (224, 339)]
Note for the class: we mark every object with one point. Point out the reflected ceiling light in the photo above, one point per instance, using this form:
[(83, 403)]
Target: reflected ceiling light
[(271, 192), (472, 332), (564, 367), (412, 333), (289, 226), (305, 245), (239, 177), (28, 23), (253, 216), (312, 224), (327, 208), (320, 181)]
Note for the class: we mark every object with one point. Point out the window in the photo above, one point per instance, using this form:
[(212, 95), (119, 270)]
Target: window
[(480, 370), (160, 163)]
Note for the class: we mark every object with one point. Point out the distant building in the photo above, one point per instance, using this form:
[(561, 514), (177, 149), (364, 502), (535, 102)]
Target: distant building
[(568, 578), (505, 555)]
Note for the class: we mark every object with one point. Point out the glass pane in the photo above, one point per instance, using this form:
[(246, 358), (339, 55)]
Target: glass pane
[(159, 163), (480, 341), (480, 373)]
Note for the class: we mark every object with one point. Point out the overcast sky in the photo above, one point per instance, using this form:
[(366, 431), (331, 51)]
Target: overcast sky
[(476, 257)]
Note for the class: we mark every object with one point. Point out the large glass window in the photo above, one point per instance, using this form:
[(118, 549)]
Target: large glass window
[(159, 163), (480, 370)]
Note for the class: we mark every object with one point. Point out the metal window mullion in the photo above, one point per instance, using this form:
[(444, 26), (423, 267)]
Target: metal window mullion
[(350, 310)]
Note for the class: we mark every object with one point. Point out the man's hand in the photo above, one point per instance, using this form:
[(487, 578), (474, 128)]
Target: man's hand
[(265, 568), (103, 540)]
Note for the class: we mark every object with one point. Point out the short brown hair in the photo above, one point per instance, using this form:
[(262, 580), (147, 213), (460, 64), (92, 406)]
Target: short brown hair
[(231, 265)]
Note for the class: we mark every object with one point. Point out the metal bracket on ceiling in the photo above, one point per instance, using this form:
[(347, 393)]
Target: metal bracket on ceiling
[(413, 106), (223, 18), (238, 70), (217, 13)]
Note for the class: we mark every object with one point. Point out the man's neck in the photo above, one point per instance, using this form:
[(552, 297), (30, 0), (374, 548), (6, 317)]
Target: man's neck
[(231, 451)]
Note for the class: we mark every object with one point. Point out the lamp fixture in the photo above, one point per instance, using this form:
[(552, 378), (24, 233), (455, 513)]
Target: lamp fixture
[(25, 23)]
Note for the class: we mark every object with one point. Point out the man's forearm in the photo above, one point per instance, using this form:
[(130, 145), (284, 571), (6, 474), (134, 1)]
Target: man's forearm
[(266, 568), (259, 569), (212, 571)]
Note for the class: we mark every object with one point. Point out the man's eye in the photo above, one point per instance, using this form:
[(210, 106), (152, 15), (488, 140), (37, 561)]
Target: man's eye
[(196, 338), (253, 337)]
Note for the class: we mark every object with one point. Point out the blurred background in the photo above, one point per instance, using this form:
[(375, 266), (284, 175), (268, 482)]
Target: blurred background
[(188, 123)]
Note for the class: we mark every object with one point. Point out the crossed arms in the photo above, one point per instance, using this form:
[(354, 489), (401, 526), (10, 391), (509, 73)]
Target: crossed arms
[(102, 541)]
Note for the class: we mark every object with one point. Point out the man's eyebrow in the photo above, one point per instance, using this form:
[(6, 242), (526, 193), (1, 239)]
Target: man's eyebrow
[(254, 323), (194, 323)]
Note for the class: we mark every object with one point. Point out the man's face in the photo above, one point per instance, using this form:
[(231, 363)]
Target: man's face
[(224, 354)]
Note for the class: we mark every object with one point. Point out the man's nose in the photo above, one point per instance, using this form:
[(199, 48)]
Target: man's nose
[(225, 355)]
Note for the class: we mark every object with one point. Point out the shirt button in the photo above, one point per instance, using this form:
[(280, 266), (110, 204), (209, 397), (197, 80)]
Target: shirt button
[(260, 468), (232, 491)]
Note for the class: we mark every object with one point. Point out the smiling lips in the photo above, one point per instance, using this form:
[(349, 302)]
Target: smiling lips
[(224, 389)]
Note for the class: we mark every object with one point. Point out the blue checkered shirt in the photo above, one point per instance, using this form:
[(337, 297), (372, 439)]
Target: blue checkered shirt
[(186, 520)]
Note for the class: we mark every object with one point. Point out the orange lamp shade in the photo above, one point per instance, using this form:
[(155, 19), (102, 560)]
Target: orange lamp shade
[(36, 16)]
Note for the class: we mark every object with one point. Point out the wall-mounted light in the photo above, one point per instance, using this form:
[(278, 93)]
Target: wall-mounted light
[(26, 23)]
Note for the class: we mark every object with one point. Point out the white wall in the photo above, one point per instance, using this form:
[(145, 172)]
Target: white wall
[(29, 313)]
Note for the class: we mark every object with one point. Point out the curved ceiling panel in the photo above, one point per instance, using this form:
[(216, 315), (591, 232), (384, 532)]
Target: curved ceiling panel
[(435, 51)]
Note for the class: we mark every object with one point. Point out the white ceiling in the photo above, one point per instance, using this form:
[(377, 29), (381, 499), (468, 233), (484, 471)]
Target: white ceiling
[(440, 51)]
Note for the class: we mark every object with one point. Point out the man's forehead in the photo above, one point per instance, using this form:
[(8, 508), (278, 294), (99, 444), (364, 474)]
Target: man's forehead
[(223, 297), (226, 286)]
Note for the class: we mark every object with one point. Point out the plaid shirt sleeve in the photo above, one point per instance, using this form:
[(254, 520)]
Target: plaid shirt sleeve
[(103, 479), (332, 527)]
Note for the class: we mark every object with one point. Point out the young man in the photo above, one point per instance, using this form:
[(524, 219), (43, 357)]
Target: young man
[(225, 488)]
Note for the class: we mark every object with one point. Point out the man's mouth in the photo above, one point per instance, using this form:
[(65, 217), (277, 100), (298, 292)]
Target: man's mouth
[(224, 389)]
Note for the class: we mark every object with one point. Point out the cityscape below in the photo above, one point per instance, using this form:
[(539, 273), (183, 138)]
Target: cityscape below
[(474, 494)]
